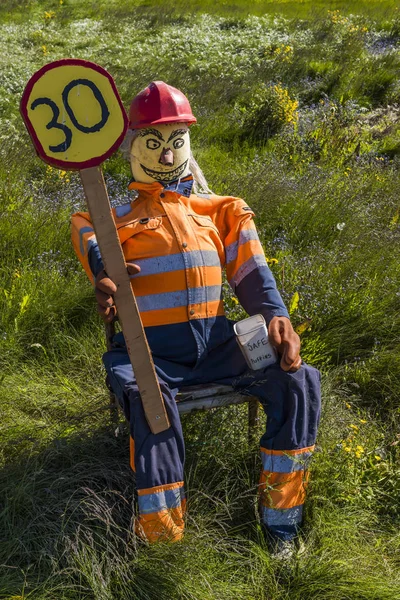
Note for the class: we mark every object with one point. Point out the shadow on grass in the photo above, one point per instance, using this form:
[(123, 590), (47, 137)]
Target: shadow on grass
[(80, 488), (67, 517)]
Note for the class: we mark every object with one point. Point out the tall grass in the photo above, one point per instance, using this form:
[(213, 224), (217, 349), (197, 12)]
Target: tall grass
[(298, 111)]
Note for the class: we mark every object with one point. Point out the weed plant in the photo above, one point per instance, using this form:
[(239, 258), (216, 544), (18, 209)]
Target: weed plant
[(298, 107)]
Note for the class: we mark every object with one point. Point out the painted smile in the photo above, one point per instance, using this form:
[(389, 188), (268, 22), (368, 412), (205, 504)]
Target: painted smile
[(166, 176)]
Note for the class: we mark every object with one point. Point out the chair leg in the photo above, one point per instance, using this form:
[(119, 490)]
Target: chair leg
[(253, 418)]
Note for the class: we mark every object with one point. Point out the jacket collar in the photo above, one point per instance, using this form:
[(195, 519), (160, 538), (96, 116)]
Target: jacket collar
[(183, 186)]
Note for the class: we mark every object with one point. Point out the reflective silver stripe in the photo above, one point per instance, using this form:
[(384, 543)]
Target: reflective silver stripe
[(286, 463), (151, 503), (175, 262), (82, 232), (258, 260), (284, 516), (165, 300), (246, 235)]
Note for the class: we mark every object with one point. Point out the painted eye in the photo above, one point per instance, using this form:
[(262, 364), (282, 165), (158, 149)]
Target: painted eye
[(153, 144), (178, 143)]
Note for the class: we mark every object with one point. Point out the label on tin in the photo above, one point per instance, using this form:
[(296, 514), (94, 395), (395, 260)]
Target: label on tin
[(252, 337)]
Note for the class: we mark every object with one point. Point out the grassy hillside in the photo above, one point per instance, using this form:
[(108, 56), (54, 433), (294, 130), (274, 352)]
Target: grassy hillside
[(298, 108)]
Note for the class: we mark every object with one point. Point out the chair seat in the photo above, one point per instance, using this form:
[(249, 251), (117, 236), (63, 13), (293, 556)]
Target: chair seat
[(203, 397)]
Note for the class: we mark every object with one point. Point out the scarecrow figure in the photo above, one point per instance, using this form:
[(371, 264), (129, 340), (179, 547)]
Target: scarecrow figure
[(176, 242)]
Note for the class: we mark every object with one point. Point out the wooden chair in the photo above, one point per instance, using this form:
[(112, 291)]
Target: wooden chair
[(201, 397)]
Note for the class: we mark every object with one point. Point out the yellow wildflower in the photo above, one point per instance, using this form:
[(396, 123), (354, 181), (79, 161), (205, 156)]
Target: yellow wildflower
[(288, 106), (44, 50), (360, 449), (347, 449), (294, 303), (395, 217), (303, 327), (377, 457), (354, 427), (348, 405), (49, 14), (284, 52), (363, 421)]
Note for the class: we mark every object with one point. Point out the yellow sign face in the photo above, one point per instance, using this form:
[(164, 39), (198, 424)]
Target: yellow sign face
[(73, 113)]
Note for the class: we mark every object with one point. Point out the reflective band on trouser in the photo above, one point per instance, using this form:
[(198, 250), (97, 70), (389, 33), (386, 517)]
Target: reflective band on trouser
[(161, 512), (282, 489)]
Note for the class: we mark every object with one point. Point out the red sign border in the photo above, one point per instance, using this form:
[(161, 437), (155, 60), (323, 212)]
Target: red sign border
[(62, 164)]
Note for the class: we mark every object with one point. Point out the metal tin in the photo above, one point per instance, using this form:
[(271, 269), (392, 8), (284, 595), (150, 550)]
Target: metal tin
[(252, 337)]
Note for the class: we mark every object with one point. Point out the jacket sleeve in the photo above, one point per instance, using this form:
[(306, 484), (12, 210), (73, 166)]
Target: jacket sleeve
[(246, 267), (85, 244)]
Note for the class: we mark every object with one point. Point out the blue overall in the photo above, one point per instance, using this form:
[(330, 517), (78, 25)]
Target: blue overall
[(181, 241)]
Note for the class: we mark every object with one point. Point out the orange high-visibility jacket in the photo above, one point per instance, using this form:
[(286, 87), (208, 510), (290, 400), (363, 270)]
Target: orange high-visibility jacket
[(181, 243)]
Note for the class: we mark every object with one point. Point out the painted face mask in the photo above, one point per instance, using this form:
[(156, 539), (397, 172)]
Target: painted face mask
[(161, 153)]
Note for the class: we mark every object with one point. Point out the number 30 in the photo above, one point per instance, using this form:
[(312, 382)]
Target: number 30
[(54, 124)]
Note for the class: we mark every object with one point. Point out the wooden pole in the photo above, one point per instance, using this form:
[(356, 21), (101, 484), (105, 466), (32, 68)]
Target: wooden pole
[(128, 312)]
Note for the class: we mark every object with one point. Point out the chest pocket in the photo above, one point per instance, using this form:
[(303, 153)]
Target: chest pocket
[(143, 238), (133, 228), (203, 221), (207, 234)]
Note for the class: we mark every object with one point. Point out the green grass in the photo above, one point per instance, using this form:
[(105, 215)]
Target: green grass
[(234, 9), (298, 112)]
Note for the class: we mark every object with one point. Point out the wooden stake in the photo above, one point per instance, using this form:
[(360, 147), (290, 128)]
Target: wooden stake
[(128, 313)]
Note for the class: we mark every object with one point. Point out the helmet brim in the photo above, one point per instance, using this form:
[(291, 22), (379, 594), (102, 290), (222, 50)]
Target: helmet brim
[(187, 119)]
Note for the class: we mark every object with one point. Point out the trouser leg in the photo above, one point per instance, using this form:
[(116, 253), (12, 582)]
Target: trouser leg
[(291, 402), (157, 459)]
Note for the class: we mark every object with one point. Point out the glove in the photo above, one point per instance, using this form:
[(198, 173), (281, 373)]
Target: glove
[(284, 338), (105, 288)]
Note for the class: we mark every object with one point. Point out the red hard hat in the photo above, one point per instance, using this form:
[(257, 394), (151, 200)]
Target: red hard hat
[(159, 103)]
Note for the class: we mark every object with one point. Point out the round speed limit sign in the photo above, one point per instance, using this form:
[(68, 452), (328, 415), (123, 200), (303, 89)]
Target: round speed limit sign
[(74, 114)]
